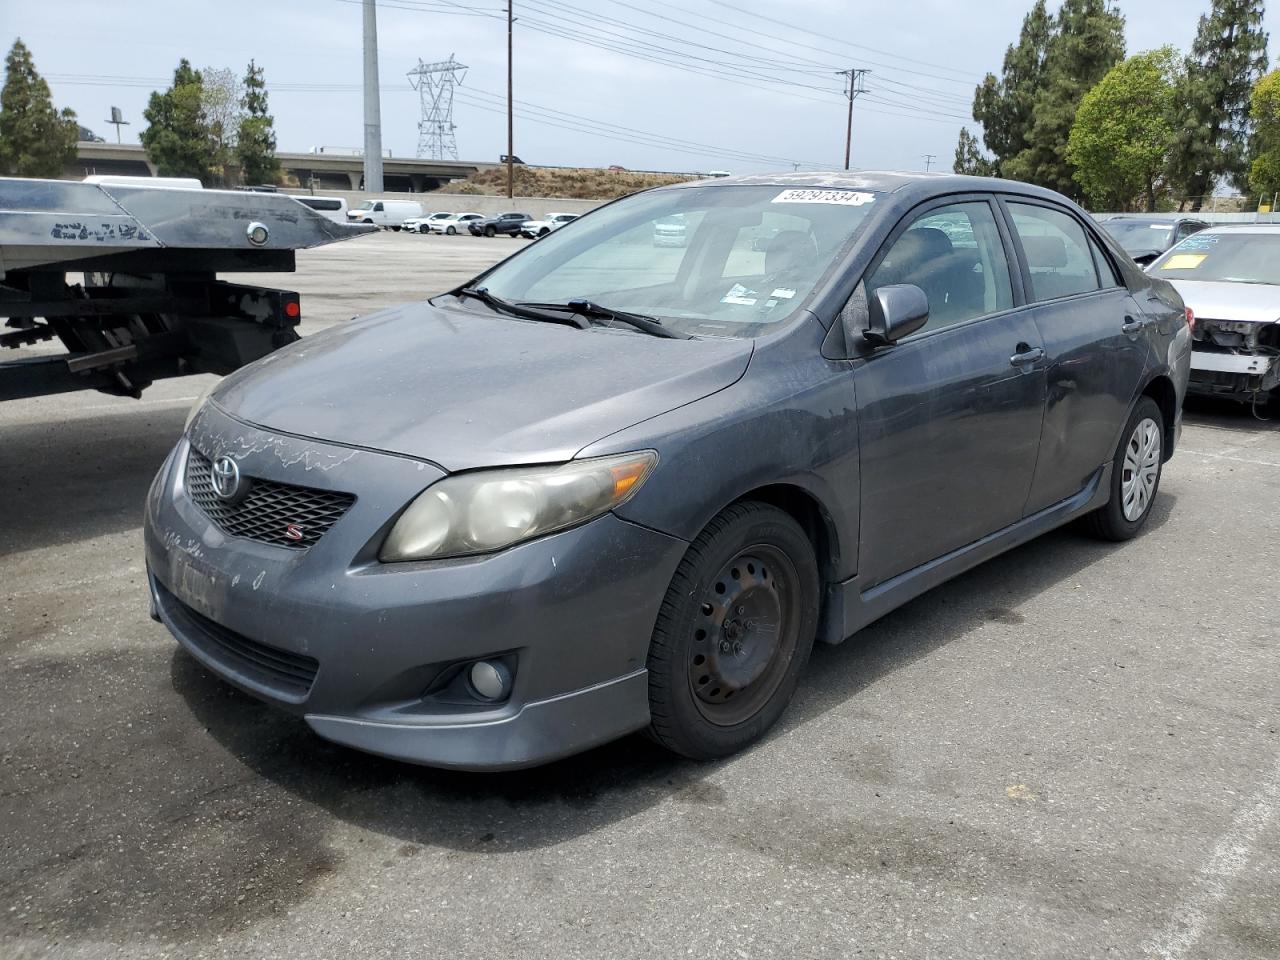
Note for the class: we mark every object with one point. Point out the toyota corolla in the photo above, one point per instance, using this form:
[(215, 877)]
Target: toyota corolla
[(609, 486)]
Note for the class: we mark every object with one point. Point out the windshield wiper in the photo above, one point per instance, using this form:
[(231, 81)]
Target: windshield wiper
[(587, 308), (522, 310)]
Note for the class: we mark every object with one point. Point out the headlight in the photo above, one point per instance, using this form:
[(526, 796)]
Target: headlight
[(492, 509), (198, 405)]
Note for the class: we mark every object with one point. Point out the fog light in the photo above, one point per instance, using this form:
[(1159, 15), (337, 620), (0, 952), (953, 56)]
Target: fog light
[(490, 680)]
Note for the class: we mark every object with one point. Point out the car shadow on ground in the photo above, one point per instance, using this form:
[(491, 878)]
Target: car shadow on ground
[(546, 805), (1230, 415), (65, 481)]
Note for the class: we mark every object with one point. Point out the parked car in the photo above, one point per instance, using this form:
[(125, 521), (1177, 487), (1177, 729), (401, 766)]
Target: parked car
[(669, 231), (1145, 237), (1230, 277), (423, 224), (509, 224), (600, 489), (532, 229), (453, 223), (334, 208), (385, 213)]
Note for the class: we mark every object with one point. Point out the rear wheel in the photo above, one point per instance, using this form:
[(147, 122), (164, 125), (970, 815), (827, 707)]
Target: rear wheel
[(1135, 475), (451, 231), (734, 632), (490, 232)]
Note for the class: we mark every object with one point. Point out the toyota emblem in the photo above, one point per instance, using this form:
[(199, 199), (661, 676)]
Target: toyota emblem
[(226, 479)]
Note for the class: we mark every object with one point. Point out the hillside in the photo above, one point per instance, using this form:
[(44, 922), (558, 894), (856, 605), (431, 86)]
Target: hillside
[(566, 183)]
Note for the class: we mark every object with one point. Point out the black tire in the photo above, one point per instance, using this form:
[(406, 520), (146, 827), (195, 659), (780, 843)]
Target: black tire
[(543, 232), (1110, 522), (424, 229), (451, 231), (490, 232), (752, 561)]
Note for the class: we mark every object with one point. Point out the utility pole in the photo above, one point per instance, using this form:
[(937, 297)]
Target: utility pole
[(856, 79), (511, 126), (372, 107), (928, 161)]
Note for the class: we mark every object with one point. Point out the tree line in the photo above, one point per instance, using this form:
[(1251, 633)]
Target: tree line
[(1157, 129), (209, 124)]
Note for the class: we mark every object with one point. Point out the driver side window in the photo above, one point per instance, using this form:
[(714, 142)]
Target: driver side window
[(955, 255)]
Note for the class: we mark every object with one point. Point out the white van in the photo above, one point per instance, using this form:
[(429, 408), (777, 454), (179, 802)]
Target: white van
[(332, 208), (385, 213), (168, 183)]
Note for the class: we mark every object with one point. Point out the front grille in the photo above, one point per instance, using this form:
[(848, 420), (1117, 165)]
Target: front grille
[(288, 675), (271, 511)]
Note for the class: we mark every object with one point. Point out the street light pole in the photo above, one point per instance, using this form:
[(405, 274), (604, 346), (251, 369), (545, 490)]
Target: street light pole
[(372, 107), (511, 128)]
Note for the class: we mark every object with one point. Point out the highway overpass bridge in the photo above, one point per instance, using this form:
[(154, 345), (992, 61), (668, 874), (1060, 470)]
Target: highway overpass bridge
[(327, 170)]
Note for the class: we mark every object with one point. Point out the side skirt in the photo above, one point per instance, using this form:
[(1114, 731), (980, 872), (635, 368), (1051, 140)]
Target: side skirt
[(850, 605)]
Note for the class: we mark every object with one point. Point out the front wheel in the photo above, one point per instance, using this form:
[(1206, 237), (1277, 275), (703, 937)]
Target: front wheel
[(424, 229), (1135, 475), (734, 632)]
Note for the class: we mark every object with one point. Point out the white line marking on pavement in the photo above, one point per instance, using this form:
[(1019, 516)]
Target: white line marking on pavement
[(1225, 456), (1210, 883)]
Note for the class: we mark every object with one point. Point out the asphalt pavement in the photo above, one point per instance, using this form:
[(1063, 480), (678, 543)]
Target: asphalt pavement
[(1070, 752)]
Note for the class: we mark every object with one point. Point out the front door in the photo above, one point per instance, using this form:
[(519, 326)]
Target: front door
[(949, 417), (1095, 346)]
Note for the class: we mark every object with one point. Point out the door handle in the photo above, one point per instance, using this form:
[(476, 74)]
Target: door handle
[(1026, 355), (1132, 326)]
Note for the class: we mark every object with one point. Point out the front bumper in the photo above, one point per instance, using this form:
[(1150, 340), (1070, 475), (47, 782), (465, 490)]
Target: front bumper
[(363, 650), (1240, 376)]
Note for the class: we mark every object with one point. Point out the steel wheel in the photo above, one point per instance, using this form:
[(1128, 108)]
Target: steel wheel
[(745, 635), (1141, 469), (734, 632)]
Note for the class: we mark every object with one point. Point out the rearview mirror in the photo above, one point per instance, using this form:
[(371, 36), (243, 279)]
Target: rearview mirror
[(894, 312)]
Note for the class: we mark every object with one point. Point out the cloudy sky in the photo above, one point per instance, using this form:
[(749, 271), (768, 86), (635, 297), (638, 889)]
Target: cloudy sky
[(737, 85)]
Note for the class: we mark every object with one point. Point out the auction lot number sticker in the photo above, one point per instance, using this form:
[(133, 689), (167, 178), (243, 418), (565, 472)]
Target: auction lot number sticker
[(848, 198)]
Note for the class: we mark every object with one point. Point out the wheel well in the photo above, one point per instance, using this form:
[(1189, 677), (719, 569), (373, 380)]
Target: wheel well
[(807, 511), (1161, 391)]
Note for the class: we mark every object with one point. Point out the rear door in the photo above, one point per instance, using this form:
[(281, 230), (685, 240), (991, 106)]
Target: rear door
[(950, 416), (1095, 342)]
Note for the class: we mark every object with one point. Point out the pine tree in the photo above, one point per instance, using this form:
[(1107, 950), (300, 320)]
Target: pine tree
[(1004, 106), (256, 146), (35, 139), (178, 139), (1088, 40), (1228, 58), (970, 159)]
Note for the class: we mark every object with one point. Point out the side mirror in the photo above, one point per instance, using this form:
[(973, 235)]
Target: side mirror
[(895, 312)]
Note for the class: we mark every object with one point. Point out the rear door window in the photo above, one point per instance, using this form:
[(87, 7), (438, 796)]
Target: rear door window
[(1057, 252)]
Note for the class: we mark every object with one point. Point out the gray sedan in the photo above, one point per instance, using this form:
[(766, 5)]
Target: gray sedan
[(609, 486)]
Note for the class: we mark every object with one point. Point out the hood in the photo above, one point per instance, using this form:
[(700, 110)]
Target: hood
[(467, 389), (1223, 300)]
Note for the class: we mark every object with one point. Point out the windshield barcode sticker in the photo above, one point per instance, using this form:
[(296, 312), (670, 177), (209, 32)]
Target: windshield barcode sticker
[(851, 198)]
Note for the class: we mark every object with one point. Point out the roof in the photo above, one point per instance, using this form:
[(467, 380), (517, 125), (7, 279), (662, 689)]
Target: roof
[(1154, 217), (1244, 227), (878, 181)]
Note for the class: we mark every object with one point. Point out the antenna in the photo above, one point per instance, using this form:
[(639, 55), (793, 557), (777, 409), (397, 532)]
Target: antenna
[(434, 83), (118, 119)]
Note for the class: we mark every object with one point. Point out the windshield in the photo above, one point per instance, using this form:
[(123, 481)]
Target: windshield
[(1242, 257), (730, 261), (1139, 236), (367, 205)]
